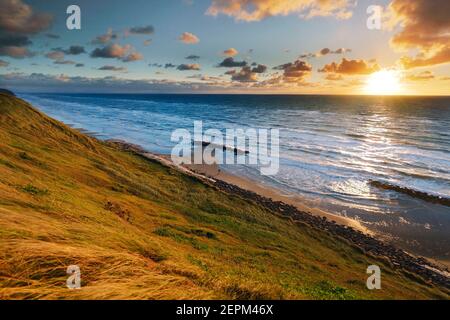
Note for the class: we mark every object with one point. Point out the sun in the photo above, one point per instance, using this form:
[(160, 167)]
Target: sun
[(384, 82)]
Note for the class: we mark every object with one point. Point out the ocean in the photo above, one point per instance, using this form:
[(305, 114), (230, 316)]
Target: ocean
[(331, 147)]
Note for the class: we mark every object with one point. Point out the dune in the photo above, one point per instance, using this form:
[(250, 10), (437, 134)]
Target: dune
[(140, 229)]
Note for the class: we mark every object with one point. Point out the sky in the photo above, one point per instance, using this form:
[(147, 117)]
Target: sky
[(226, 46)]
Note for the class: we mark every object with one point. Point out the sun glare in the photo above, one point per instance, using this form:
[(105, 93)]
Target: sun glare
[(384, 82)]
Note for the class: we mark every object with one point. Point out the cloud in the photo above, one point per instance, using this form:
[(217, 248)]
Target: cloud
[(17, 17), (422, 76), (142, 30), (425, 25), (17, 23), (441, 56), (64, 62), (260, 68), (14, 46), (38, 82), (14, 41), (15, 52), (52, 36), (79, 65), (324, 52), (169, 65), (192, 57), (72, 50), (244, 75), (350, 67), (189, 38), (58, 56), (134, 56), (185, 67), (105, 38), (55, 55), (4, 63), (256, 10), (112, 68), (334, 77), (231, 63), (231, 52), (295, 71), (147, 42), (116, 51)]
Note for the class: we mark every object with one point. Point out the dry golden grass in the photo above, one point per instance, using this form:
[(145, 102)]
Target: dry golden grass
[(139, 230)]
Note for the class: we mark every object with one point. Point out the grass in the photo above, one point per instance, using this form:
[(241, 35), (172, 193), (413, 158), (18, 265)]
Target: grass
[(139, 230)]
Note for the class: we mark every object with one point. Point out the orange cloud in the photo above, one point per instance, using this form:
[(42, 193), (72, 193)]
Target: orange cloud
[(231, 52), (255, 10), (350, 67), (440, 57), (425, 75), (189, 38), (425, 26)]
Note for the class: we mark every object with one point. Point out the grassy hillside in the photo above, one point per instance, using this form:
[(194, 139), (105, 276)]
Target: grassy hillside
[(139, 230)]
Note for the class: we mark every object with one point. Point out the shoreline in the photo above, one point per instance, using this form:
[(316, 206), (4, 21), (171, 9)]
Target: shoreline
[(431, 270)]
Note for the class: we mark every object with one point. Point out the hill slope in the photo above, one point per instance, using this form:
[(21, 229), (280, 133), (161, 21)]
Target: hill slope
[(139, 230)]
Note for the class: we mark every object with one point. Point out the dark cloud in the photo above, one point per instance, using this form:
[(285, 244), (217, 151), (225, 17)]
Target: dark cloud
[(186, 67), (112, 68), (17, 23), (169, 65), (64, 62), (156, 65), (294, 71), (74, 50), (52, 36), (14, 41), (260, 68), (230, 72), (79, 65), (116, 51), (231, 63), (192, 57), (350, 67), (142, 30), (244, 75)]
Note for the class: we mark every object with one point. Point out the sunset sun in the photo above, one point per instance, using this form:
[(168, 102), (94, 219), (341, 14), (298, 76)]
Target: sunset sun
[(384, 82)]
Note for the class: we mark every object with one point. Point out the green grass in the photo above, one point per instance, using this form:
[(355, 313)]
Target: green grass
[(139, 230)]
